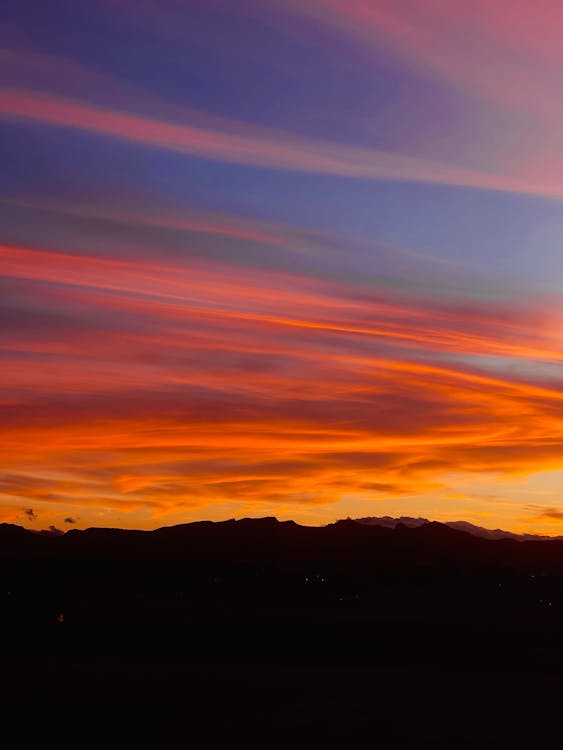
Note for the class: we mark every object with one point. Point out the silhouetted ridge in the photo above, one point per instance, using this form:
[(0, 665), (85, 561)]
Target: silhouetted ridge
[(390, 523), (12, 531), (435, 530), (252, 540), (17, 541)]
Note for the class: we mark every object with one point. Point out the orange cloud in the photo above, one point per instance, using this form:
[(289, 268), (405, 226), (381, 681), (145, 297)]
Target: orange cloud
[(152, 388), (233, 297)]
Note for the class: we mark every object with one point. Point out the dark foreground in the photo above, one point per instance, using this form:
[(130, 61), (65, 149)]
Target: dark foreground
[(263, 634)]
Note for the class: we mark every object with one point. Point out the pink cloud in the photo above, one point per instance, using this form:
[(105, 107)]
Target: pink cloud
[(244, 144)]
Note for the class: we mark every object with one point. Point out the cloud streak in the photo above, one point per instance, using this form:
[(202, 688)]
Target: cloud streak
[(504, 51), (547, 513), (182, 385), (241, 144), (231, 296)]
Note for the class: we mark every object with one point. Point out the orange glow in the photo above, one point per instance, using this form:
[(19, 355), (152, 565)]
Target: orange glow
[(365, 407)]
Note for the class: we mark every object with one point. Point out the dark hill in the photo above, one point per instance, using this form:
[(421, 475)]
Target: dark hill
[(189, 635), (390, 523), (259, 540)]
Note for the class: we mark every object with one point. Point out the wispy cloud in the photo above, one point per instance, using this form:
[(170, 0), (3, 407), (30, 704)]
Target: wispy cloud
[(244, 144), (546, 513), (159, 386), (507, 52), (505, 56)]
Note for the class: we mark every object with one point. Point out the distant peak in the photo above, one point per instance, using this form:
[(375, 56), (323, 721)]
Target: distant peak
[(464, 526)]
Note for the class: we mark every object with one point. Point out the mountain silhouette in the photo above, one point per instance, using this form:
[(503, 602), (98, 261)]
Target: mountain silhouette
[(390, 523), (386, 541)]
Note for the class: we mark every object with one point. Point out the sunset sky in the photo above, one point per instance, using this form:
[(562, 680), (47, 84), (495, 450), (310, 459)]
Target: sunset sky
[(300, 258)]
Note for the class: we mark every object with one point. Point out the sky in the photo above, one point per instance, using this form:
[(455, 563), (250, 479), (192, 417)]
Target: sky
[(300, 258)]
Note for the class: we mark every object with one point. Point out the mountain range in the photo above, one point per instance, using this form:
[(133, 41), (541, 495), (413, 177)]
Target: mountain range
[(386, 541), (390, 522)]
